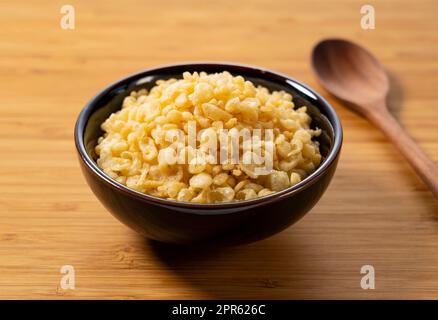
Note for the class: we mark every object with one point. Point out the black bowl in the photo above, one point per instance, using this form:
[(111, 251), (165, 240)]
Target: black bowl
[(185, 223)]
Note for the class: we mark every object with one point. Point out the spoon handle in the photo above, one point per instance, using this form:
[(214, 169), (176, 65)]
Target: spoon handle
[(422, 164)]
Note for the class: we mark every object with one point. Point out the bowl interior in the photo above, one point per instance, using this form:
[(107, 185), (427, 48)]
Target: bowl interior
[(110, 100)]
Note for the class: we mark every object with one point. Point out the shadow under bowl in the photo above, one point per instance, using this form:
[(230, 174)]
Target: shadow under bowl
[(224, 223)]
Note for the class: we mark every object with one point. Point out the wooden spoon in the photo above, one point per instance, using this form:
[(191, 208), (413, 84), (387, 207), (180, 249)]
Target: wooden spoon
[(354, 75)]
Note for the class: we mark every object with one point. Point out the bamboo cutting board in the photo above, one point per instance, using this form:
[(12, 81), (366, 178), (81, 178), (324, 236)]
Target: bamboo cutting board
[(376, 211)]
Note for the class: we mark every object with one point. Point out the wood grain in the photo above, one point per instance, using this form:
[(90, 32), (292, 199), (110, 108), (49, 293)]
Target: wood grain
[(376, 210)]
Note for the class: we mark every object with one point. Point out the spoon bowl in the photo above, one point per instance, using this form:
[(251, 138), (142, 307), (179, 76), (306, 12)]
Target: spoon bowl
[(350, 72)]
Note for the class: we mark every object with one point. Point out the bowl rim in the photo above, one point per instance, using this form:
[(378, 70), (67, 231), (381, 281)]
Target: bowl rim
[(263, 73)]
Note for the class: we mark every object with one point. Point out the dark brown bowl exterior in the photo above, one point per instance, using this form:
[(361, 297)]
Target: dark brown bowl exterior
[(187, 223)]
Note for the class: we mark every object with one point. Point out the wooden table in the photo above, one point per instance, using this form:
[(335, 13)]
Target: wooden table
[(375, 212)]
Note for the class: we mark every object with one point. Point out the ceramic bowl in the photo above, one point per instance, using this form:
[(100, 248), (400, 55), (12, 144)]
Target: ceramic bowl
[(225, 223)]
